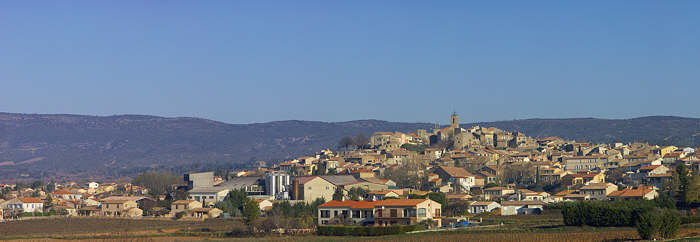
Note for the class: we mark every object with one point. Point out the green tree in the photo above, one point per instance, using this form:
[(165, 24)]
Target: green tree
[(314, 206), (251, 211), (37, 184), (20, 186), (338, 194), (357, 193), (51, 187), (233, 202), (48, 203), (670, 222), (438, 197), (683, 183), (648, 224)]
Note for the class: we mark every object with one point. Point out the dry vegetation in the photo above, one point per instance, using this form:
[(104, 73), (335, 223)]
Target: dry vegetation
[(83, 227), (546, 227)]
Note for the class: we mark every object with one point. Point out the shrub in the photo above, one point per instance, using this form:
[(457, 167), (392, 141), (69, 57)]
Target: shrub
[(365, 230), (648, 225), (179, 215), (658, 223), (670, 221)]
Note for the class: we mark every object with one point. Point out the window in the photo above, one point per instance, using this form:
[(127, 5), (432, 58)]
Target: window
[(437, 212), (325, 214), (356, 214), (328, 188), (393, 213), (211, 197), (324, 222), (335, 213), (379, 213), (309, 188), (421, 212)]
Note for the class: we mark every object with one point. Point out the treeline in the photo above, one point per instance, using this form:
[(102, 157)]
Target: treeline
[(653, 219), (157, 183)]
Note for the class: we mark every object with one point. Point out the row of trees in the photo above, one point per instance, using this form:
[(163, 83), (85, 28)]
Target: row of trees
[(157, 183), (653, 219), (684, 186)]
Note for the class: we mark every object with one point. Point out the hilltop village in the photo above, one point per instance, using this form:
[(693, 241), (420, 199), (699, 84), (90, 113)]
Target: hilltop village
[(389, 178)]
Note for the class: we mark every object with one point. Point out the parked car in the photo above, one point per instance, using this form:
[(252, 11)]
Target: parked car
[(462, 224)]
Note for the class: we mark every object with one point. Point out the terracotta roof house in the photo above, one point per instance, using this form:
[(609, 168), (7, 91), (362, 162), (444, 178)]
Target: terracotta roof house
[(598, 191), (26, 204), (346, 212), (641, 192), (462, 180), (407, 211), (64, 194)]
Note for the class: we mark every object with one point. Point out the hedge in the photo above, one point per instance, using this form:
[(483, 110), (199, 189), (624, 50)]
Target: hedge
[(605, 214), (366, 230), (690, 219)]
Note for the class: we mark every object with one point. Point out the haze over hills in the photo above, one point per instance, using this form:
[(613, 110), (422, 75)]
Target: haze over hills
[(43, 146)]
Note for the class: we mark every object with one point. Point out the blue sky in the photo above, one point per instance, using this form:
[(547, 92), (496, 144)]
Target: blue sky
[(255, 61)]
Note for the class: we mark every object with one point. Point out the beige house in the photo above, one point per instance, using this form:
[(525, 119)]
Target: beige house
[(641, 192), (263, 204), (584, 163), (598, 191), (120, 208), (370, 186), (483, 206), (550, 174), (184, 206), (310, 188), (205, 213), (583, 178), (381, 195), (407, 211), (346, 212), (521, 207), (497, 192)]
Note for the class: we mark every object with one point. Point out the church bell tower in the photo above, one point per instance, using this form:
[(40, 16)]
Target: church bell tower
[(455, 120)]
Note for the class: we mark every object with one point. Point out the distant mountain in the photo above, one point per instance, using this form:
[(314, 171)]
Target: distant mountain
[(38, 145), (43, 146)]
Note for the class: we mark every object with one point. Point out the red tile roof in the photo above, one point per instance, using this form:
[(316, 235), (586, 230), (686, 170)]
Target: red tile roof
[(400, 202), (457, 172), (638, 192), (349, 204), (30, 200), (61, 192), (649, 167)]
